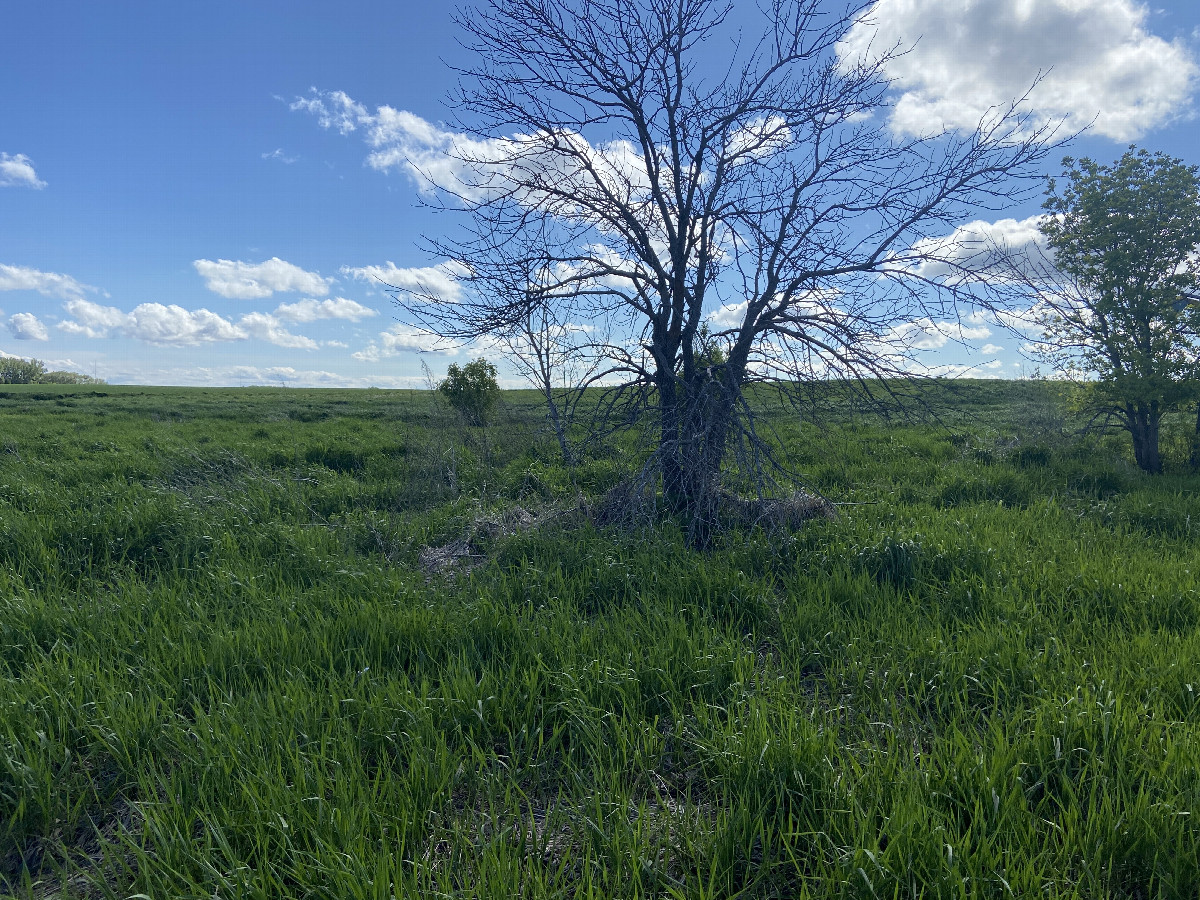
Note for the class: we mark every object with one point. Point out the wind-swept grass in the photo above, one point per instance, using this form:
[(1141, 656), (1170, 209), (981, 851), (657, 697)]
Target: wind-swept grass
[(224, 672)]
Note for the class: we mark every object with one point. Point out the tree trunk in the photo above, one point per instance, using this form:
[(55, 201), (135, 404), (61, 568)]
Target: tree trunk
[(695, 428), (1143, 426), (670, 459), (1195, 458), (559, 426)]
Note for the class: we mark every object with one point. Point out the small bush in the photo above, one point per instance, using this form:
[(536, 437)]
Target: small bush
[(471, 390)]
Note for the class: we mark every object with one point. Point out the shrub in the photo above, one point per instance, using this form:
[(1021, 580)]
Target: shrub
[(471, 390)]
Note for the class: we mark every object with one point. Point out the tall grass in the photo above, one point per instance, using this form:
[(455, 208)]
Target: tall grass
[(224, 672)]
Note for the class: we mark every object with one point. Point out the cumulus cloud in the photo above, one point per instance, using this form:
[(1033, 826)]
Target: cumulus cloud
[(267, 328), (370, 353), (18, 171), (401, 338), (729, 315), (989, 349), (27, 327), (156, 323), (312, 310), (820, 304), (759, 139), (925, 334), (979, 247), (1096, 58), (443, 281), (431, 155), (475, 168), (253, 281), (49, 284), (244, 375)]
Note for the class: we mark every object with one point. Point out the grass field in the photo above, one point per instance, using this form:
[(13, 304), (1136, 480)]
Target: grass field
[(227, 668)]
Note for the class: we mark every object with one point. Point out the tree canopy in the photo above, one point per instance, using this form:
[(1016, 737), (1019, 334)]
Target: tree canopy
[(636, 163), (1124, 308), (17, 370)]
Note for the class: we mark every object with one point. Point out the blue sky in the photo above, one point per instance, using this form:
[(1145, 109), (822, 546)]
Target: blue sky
[(188, 195)]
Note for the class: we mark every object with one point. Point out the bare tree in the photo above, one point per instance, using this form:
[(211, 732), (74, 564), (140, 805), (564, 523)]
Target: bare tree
[(611, 171), (559, 359)]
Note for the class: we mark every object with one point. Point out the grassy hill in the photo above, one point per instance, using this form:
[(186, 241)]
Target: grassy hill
[(319, 643)]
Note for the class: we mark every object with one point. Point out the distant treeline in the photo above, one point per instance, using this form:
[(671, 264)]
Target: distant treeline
[(14, 370)]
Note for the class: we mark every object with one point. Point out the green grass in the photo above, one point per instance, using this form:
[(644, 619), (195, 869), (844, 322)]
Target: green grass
[(224, 673)]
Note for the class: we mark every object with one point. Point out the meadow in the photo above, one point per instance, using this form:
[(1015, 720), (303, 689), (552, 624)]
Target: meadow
[(273, 643)]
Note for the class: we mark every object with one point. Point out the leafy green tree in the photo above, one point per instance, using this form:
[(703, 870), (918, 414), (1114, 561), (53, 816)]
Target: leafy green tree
[(14, 370), (1123, 312), (471, 389), (61, 376)]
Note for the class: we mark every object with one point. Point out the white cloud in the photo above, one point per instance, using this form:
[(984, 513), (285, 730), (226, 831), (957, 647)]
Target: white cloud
[(820, 304), (730, 315), (27, 327), (401, 338), (93, 320), (266, 327), (442, 281), (926, 334), (49, 284), (476, 168), (311, 310), (759, 139), (18, 171), (989, 349), (979, 247), (252, 281), (157, 323), (959, 331), (333, 109), (267, 376), (965, 58), (154, 323), (281, 156)]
